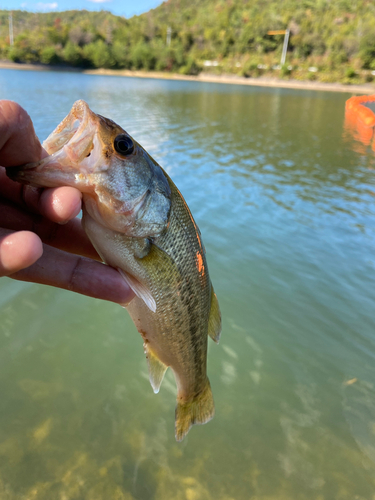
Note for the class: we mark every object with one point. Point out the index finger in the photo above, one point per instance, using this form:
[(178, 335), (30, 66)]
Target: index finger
[(57, 204)]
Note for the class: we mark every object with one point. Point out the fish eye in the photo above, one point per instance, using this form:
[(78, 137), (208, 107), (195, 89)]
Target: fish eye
[(124, 145)]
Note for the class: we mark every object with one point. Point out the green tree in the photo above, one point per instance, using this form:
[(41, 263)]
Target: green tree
[(367, 50), (99, 54), (72, 54), (142, 56), (49, 55)]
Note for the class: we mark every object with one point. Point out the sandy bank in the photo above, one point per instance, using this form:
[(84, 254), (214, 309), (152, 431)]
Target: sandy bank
[(204, 77)]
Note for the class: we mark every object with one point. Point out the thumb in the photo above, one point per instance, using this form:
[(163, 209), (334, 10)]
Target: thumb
[(18, 141)]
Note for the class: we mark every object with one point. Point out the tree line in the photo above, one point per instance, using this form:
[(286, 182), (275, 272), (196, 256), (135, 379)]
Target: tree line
[(330, 40)]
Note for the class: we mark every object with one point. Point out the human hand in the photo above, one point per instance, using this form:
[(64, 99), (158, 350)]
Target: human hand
[(41, 240)]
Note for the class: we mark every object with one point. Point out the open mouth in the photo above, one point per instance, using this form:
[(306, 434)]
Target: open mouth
[(74, 132), (70, 147)]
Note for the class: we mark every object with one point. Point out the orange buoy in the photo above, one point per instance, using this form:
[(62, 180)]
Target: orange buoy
[(360, 120)]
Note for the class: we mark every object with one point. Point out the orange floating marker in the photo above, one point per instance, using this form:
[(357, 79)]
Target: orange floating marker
[(360, 120)]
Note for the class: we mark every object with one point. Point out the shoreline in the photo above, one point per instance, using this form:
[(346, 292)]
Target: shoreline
[(202, 77)]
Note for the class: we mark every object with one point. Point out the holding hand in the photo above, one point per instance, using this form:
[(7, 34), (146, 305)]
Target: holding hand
[(41, 240)]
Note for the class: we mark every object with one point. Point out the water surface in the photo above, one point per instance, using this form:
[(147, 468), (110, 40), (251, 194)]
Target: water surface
[(286, 208)]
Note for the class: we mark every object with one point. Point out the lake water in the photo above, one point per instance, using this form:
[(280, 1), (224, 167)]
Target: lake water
[(286, 208)]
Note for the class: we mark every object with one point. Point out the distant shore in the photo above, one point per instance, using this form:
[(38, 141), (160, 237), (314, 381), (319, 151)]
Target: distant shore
[(203, 77)]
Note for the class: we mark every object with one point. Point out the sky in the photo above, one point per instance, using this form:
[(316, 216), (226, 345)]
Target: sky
[(125, 8)]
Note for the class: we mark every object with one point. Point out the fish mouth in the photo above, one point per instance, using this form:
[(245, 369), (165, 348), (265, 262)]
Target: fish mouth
[(74, 134), (73, 149)]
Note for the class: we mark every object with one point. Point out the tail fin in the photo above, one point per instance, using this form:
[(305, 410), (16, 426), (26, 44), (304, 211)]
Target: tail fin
[(198, 411)]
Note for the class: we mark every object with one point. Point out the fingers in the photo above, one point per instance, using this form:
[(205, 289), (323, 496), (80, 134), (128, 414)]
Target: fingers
[(69, 237), (77, 274), (18, 141), (58, 204), (23, 257), (19, 144), (18, 250)]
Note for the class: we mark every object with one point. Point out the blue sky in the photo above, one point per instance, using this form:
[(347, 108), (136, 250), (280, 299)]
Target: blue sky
[(120, 7)]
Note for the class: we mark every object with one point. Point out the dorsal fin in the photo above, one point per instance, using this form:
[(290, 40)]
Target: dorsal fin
[(214, 321)]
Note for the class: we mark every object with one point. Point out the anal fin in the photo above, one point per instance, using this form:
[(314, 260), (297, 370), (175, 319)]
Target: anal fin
[(156, 369), (214, 321)]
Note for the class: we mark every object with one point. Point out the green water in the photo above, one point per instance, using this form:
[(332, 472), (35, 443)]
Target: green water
[(286, 209)]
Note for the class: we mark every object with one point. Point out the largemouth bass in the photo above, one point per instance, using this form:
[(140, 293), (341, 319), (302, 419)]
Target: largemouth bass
[(140, 224)]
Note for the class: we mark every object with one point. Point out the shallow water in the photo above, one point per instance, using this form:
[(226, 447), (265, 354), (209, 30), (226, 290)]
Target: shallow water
[(286, 208)]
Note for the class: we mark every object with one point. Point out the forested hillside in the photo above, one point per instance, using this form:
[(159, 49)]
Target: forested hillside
[(330, 40)]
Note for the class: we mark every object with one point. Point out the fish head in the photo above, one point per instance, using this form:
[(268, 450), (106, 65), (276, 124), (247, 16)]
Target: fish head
[(123, 187)]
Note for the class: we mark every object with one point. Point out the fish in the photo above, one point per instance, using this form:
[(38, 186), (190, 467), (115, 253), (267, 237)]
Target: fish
[(140, 224)]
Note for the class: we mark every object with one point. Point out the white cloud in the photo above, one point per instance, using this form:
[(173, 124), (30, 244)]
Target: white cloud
[(99, 1), (23, 5), (46, 6)]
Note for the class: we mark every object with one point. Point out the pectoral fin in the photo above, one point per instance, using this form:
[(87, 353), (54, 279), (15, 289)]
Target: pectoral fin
[(214, 322), (140, 290), (156, 254), (161, 267), (156, 369)]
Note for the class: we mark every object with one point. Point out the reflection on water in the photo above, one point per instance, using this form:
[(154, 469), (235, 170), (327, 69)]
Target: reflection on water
[(285, 205)]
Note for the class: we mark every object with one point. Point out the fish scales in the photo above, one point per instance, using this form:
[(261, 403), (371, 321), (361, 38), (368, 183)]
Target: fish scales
[(140, 224), (184, 316)]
